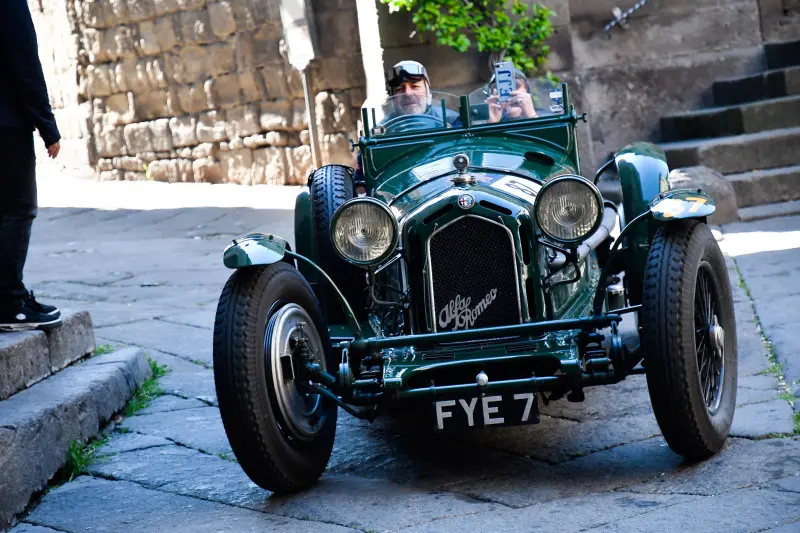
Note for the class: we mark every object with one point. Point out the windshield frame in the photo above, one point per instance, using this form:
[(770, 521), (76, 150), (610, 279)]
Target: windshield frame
[(371, 132)]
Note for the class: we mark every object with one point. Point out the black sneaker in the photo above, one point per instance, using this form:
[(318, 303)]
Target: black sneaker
[(25, 317), (48, 310)]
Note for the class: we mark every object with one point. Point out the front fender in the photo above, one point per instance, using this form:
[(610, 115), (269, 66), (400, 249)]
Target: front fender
[(643, 173), (261, 249), (679, 204), (256, 249)]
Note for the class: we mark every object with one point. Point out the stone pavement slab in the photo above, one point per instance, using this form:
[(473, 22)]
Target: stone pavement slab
[(790, 484), (568, 515), (599, 472), (186, 379), (189, 342), (741, 511), (128, 442), (101, 506), (741, 464), (199, 428), (766, 418), (168, 403)]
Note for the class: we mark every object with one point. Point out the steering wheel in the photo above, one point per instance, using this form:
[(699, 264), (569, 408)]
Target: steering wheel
[(405, 123)]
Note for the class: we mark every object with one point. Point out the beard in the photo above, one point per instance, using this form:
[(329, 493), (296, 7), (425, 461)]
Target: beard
[(411, 105)]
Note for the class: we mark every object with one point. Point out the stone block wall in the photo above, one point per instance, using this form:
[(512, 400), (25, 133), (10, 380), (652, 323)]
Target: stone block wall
[(190, 91)]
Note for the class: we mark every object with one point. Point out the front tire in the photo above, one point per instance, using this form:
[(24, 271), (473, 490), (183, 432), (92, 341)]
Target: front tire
[(688, 331), (281, 437)]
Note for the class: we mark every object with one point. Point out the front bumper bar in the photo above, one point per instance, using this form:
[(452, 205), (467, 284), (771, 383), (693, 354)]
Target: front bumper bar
[(362, 347)]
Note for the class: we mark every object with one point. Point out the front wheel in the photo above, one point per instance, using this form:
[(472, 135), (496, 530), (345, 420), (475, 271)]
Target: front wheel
[(267, 320), (688, 332)]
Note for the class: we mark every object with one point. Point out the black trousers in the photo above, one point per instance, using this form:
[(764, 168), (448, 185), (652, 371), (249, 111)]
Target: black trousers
[(18, 208)]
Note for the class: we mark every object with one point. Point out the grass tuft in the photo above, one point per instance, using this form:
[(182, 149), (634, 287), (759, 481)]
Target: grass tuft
[(227, 457), (788, 396), (103, 349), (797, 423), (147, 391), (776, 369), (80, 457)]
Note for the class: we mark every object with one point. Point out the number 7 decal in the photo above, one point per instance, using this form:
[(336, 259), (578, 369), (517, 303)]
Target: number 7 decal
[(698, 202)]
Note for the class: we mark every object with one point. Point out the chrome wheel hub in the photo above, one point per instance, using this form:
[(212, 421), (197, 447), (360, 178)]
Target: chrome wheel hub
[(301, 414), (716, 335)]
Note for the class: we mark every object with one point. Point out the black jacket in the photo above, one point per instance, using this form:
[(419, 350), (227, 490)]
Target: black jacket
[(23, 92)]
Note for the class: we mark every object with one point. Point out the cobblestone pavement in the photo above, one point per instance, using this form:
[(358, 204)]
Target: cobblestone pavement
[(150, 272)]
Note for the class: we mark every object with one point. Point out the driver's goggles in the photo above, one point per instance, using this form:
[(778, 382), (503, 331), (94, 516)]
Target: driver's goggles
[(408, 69)]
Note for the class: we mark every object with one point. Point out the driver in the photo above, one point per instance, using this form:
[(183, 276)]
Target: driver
[(410, 89), (519, 106)]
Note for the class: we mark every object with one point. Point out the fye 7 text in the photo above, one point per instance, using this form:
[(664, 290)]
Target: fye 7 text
[(506, 410)]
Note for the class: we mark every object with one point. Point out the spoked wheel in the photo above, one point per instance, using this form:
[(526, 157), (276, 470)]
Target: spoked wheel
[(689, 337), (709, 338), (269, 321)]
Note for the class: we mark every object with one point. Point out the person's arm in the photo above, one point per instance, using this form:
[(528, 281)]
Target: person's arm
[(18, 45)]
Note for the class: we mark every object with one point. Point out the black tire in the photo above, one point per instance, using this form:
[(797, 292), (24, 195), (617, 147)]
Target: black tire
[(268, 452), (332, 186), (685, 286)]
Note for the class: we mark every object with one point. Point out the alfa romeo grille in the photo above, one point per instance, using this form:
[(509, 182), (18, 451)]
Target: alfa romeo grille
[(473, 275)]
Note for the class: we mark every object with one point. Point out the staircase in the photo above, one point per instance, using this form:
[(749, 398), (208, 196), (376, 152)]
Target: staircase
[(753, 137)]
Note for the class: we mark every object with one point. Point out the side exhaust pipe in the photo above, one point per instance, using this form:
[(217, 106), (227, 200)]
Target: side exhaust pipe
[(594, 240)]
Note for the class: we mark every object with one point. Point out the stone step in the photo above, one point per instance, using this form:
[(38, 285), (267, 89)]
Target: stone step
[(38, 424), (29, 357), (766, 186), (770, 84), (765, 115), (782, 54), (740, 153), (758, 212)]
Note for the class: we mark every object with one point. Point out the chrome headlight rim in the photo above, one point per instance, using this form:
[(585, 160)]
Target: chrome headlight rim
[(583, 181), (392, 219)]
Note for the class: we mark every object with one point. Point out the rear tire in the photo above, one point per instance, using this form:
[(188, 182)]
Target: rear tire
[(688, 331), (332, 186), (279, 447)]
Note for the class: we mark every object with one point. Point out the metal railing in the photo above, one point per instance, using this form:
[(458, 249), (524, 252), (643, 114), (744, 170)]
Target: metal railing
[(621, 18)]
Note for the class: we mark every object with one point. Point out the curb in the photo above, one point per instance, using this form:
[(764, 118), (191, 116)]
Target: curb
[(38, 424), (29, 357)]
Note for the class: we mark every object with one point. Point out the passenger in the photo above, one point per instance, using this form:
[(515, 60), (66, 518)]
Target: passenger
[(518, 107)]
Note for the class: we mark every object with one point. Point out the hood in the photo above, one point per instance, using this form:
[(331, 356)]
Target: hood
[(514, 172)]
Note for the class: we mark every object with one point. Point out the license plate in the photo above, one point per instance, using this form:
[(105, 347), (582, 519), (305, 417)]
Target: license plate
[(486, 411)]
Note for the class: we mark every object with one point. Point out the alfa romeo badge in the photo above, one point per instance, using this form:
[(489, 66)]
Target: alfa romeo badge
[(466, 201)]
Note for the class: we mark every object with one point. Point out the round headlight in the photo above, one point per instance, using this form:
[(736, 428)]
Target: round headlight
[(364, 231), (569, 208)]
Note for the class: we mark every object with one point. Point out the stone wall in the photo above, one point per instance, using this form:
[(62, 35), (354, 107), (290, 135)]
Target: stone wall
[(191, 90), (665, 62)]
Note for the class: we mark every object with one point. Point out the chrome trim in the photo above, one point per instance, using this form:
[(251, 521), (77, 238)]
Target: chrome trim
[(429, 265)]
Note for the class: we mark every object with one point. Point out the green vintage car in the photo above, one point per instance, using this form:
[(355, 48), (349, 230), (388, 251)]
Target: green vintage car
[(469, 269)]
